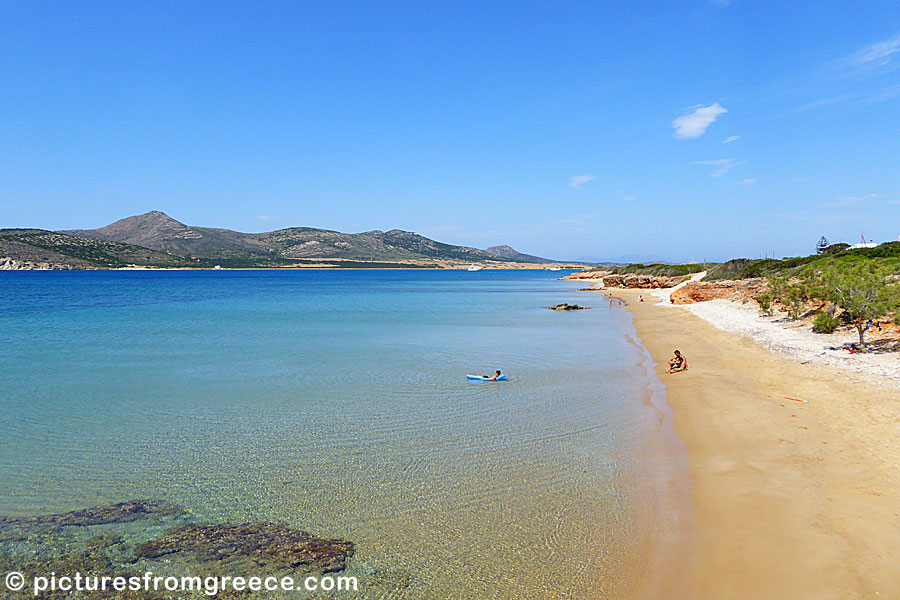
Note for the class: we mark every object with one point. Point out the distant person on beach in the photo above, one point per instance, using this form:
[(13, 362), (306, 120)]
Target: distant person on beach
[(492, 377), (678, 363), (641, 298)]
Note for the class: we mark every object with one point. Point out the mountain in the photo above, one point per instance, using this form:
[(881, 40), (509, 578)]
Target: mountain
[(158, 231), (510, 253)]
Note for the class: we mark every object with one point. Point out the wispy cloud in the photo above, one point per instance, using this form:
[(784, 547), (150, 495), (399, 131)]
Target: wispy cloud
[(578, 181), (629, 198), (731, 138), (748, 181), (721, 2), (878, 54), (582, 222), (694, 122), (266, 218), (722, 165), (843, 201)]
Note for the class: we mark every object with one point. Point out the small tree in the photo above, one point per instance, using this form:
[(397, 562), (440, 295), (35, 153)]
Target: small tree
[(821, 245), (791, 293), (864, 290)]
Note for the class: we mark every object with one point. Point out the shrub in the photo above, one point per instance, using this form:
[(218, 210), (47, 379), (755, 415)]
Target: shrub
[(765, 303), (825, 323)]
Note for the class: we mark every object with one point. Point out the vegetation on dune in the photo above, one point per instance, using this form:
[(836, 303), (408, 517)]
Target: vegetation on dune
[(863, 290), (791, 293), (825, 323), (743, 268)]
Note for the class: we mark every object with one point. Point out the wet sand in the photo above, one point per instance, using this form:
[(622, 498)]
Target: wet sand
[(791, 499)]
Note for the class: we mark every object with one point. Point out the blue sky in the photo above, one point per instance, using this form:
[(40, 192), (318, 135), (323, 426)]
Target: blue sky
[(688, 130)]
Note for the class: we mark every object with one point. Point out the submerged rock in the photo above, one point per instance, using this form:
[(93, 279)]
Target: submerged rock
[(265, 544), (565, 306), (124, 512)]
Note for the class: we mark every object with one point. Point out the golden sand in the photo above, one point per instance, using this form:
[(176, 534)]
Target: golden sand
[(791, 499)]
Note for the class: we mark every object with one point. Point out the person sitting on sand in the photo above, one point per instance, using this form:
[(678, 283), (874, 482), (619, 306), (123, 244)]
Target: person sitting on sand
[(677, 364), (492, 377)]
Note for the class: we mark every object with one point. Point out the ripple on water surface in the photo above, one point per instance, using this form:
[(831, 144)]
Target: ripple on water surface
[(337, 403)]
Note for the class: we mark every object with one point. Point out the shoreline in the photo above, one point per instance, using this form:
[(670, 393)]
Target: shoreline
[(790, 499)]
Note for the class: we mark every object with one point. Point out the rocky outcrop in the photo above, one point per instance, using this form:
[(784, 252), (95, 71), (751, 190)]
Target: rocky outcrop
[(268, 545), (632, 281), (628, 280), (565, 306), (702, 291), (593, 274), (11, 264)]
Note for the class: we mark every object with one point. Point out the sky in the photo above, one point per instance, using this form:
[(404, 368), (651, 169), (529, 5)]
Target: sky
[(688, 130)]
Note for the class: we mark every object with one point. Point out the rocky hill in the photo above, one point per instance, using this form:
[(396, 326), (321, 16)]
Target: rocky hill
[(512, 254), (156, 239)]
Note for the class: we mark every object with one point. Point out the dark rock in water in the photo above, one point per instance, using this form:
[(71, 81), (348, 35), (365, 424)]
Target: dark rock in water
[(565, 306), (266, 544), (124, 512)]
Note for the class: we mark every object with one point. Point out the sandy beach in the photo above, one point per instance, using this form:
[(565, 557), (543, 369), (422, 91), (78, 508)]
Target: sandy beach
[(795, 467)]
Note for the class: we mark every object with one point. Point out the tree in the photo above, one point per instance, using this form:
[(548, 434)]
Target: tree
[(791, 293), (864, 290), (821, 245)]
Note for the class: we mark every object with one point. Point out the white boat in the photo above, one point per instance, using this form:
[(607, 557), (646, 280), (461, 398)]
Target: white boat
[(556, 268), (475, 268), (218, 267)]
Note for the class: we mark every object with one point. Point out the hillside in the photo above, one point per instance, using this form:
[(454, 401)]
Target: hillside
[(40, 249), (510, 253)]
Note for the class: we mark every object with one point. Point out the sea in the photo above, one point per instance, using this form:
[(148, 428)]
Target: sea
[(336, 402)]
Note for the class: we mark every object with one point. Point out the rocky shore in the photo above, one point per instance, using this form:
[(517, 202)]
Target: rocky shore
[(11, 264)]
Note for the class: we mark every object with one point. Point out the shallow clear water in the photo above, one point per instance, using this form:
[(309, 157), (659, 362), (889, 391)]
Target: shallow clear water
[(336, 401)]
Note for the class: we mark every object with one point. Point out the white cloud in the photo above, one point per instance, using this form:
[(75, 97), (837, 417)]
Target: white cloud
[(629, 198), (722, 165), (694, 123), (731, 138), (578, 181), (266, 218), (749, 181)]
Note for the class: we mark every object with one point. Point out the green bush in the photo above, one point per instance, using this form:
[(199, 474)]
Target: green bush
[(765, 302), (825, 323)]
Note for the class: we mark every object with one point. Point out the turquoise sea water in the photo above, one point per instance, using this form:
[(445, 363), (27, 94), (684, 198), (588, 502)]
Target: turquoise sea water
[(336, 402)]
